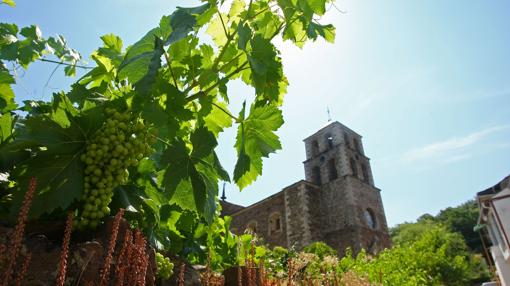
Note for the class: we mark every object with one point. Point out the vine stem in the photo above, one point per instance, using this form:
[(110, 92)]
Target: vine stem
[(63, 63), (160, 140), (200, 93), (170, 68), (226, 112), (224, 49)]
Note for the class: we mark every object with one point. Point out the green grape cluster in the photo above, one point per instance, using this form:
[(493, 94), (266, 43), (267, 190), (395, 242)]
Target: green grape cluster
[(120, 143), (165, 266)]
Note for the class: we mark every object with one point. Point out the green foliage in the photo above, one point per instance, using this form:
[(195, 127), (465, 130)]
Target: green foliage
[(409, 232), (276, 259), (441, 243), (434, 256), (459, 219), (438, 252), (320, 249), (462, 219)]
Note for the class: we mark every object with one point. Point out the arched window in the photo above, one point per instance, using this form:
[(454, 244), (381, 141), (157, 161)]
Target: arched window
[(370, 218), (333, 175), (251, 227), (354, 168), (275, 223), (329, 141), (365, 173), (316, 175), (315, 147)]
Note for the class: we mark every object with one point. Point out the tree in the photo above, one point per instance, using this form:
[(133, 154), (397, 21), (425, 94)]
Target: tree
[(434, 256), (440, 251), (462, 219), (459, 219)]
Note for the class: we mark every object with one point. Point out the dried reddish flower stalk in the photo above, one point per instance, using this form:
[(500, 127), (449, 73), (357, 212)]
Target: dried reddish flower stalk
[(24, 269), (111, 247), (326, 276), (139, 260), (123, 261), (61, 278), (181, 274), (251, 270), (217, 279), (289, 271), (239, 276), (248, 271), (262, 272), (2, 252), (19, 230)]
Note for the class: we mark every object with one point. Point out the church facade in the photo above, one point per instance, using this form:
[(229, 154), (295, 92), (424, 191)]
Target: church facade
[(337, 203)]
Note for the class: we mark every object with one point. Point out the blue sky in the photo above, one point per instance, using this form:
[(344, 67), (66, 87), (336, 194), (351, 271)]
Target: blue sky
[(427, 84)]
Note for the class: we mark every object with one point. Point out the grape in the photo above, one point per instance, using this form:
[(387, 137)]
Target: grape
[(164, 265), (120, 143)]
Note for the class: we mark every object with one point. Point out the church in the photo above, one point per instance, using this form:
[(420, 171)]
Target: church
[(336, 203)]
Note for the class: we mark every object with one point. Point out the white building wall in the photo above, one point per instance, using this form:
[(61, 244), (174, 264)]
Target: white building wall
[(499, 230), (501, 203), (502, 266)]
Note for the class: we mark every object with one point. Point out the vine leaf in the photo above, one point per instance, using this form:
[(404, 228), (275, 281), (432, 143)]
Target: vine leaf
[(325, 31), (216, 31), (256, 139), (6, 126), (143, 59), (244, 32), (6, 94), (57, 143), (6, 98), (317, 6), (138, 60), (267, 70), (183, 21), (217, 119), (9, 2), (193, 176), (57, 169)]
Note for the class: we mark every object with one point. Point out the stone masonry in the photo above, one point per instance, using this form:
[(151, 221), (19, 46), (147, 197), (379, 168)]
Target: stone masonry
[(338, 202)]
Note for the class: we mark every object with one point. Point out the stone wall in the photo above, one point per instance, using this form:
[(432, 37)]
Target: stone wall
[(336, 206), (260, 213), (302, 204), (368, 197)]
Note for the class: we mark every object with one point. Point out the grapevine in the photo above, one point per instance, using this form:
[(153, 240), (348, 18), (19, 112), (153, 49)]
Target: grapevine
[(172, 80), (120, 143), (164, 265)]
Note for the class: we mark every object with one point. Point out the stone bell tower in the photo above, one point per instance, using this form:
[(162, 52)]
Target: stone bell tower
[(352, 213)]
